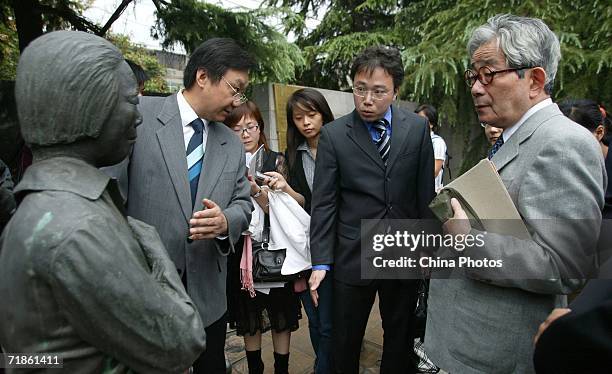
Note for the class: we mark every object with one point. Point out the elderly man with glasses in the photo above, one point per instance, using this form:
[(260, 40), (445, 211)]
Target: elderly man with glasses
[(186, 177), (485, 320)]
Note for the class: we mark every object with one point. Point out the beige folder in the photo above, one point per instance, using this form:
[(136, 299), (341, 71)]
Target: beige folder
[(482, 189)]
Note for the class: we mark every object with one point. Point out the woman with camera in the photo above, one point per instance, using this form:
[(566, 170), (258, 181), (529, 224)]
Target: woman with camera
[(250, 311)]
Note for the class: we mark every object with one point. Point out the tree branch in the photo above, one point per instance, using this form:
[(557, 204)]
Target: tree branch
[(158, 4), (114, 17), (80, 23)]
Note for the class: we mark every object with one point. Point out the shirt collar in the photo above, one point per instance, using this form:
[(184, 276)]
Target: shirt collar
[(64, 174), (511, 130), (303, 147), (388, 117), (187, 113)]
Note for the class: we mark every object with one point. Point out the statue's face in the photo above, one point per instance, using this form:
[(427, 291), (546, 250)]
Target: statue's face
[(119, 132)]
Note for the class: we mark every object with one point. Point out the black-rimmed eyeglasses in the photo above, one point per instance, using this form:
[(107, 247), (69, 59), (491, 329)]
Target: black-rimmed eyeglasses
[(252, 129), (485, 74)]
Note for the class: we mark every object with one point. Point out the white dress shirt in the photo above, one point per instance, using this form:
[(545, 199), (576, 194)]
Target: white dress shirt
[(187, 116), (511, 130)]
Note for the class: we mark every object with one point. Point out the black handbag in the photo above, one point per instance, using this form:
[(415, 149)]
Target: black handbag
[(267, 264)]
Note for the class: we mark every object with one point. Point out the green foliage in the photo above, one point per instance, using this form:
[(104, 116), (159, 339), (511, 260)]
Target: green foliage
[(56, 15), (346, 29), (9, 48), (330, 63), (62, 15), (436, 34), (432, 36), (145, 59), (190, 22), (436, 47)]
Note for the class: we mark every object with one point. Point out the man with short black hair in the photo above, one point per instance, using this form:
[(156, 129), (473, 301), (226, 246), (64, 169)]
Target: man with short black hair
[(374, 163), (187, 178)]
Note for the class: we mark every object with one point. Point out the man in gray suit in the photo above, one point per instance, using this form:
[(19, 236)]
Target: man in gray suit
[(485, 321), (187, 178)]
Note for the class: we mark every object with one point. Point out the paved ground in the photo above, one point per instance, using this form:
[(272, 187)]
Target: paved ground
[(301, 358)]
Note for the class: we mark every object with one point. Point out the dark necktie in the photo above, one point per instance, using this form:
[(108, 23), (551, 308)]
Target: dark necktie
[(384, 141), (195, 153), (498, 144)]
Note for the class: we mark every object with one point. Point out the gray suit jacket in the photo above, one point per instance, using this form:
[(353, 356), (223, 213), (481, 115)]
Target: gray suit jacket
[(159, 195), (552, 169)]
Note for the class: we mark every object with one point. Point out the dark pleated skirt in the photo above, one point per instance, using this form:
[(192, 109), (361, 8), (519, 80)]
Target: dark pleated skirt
[(278, 311)]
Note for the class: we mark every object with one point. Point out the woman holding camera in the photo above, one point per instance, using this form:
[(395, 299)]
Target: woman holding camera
[(254, 313)]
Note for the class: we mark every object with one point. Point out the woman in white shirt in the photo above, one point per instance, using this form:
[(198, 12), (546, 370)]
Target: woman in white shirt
[(439, 146)]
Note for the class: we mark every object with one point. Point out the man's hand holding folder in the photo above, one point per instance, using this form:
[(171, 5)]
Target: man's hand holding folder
[(459, 223)]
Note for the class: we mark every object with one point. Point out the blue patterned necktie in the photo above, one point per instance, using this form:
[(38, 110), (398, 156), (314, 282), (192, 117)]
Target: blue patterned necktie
[(498, 144), (195, 154), (384, 141)]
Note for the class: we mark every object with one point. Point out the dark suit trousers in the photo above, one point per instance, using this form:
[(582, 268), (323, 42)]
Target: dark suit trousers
[(212, 360), (352, 306)]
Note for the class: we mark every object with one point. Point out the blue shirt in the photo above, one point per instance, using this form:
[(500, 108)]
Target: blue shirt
[(373, 132)]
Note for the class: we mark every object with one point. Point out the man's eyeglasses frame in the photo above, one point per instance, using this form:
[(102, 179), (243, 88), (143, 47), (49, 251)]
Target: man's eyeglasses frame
[(486, 78), (239, 97), (364, 94)]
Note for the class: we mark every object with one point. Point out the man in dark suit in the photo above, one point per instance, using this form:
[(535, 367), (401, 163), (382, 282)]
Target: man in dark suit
[(578, 339), (187, 178), (374, 163)]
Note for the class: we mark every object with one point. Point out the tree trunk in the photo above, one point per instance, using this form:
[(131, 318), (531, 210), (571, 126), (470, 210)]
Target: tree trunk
[(28, 20)]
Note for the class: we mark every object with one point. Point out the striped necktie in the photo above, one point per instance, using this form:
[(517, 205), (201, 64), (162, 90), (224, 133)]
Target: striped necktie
[(384, 140), (195, 153), (498, 144)]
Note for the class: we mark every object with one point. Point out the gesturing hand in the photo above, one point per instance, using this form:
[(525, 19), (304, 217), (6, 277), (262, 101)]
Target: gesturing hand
[(208, 223)]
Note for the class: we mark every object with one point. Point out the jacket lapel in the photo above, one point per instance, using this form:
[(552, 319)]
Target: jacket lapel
[(510, 150), (358, 133), (171, 142), (215, 157), (399, 132)]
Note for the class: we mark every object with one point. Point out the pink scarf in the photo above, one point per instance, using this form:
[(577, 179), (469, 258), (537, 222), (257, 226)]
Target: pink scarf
[(246, 266)]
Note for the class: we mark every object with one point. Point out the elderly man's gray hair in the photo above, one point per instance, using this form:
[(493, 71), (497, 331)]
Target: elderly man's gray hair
[(524, 41), (66, 87)]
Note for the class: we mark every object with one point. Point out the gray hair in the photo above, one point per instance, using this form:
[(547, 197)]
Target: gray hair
[(524, 41), (66, 87)]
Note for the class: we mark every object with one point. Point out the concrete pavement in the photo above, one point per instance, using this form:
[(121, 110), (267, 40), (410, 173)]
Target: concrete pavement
[(302, 357)]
